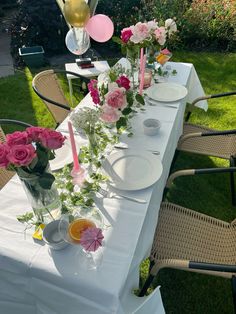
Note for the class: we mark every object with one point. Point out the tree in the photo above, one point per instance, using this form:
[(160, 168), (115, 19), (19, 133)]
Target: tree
[(38, 23)]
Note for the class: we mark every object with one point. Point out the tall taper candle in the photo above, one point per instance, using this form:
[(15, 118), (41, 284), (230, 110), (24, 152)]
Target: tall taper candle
[(73, 147)]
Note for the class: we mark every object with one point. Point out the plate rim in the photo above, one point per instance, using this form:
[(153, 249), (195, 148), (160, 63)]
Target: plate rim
[(168, 100), (69, 158), (154, 159)]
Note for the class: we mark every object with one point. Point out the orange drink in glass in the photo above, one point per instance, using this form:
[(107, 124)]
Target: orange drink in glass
[(163, 57), (77, 227)]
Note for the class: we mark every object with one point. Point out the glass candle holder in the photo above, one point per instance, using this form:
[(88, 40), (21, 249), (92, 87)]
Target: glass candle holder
[(147, 78)]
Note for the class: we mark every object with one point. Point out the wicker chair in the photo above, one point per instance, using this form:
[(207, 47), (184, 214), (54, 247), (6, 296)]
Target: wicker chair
[(206, 141), (187, 240), (6, 175), (47, 87)]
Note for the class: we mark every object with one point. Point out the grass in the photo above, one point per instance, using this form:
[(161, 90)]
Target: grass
[(182, 292), (19, 101)]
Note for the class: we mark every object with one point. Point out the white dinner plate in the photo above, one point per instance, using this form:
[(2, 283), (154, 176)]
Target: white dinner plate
[(130, 170), (167, 92), (63, 156)]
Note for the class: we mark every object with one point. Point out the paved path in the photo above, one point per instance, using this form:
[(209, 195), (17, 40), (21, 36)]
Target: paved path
[(6, 63)]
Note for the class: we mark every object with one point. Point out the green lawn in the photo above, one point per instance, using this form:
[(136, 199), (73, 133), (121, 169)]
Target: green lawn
[(182, 292)]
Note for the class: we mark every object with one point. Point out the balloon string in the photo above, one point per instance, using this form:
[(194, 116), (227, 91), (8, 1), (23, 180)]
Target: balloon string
[(74, 34)]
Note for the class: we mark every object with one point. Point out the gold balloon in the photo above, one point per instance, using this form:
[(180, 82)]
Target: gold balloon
[(76, 12)]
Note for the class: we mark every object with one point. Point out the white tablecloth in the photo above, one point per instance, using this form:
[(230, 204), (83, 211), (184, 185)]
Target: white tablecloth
[(36, 280)]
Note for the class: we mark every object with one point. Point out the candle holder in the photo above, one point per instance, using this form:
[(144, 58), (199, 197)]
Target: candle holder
[(147, 78)]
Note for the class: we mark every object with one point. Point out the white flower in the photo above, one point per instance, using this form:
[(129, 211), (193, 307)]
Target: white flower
[(112, 86), (84, 118), (103, 79), (152, 25), (171, 26)]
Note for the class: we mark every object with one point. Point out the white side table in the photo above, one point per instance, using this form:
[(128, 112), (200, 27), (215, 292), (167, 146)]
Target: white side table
[(99, 67)]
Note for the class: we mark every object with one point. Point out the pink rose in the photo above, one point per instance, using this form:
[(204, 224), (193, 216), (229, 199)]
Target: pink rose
[(21, 155), (4, 150), (51, 139), (126, 33), (34, 132), (140, 32), (95, 96), (17, 138), (116, 98), (110, 114), (165, 52), (92, 87), (123, 81), (160, 34)]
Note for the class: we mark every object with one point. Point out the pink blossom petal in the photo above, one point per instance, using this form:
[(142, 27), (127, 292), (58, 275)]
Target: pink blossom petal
[(91, 239)]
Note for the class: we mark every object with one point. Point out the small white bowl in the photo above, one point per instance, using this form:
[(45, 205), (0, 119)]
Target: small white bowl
[(52, 237), (151, 126)]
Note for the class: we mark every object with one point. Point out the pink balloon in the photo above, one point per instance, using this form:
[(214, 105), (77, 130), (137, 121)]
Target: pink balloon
[(100, 27)]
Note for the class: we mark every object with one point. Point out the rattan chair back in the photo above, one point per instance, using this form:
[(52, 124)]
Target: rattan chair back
[(5, 175), (46, 85), (222, 146)]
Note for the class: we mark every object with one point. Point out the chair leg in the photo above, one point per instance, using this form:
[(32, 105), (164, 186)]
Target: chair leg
[(232, 183), (174, 160), (233, 280), (146, 285), (151, 264)]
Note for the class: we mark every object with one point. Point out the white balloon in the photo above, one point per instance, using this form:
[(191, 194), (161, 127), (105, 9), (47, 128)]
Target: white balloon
[(77, 41)]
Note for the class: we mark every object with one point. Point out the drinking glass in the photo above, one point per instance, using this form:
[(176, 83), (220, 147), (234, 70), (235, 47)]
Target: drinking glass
[(161, 74), (71, 227)]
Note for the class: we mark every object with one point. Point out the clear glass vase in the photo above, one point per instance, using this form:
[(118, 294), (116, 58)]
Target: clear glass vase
[(46, 203), (93, 144), (133, 57)]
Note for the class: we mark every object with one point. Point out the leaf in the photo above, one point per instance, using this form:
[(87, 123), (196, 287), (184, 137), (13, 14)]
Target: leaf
[(140, 99), (46, 180), (51, 155), (121, 122), (26, 217), (126, 111), (117, 40), (42, 158)]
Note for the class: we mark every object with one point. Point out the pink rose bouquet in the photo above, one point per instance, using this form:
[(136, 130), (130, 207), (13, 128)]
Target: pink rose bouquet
[(29, 152), (113, 96), (151, 35)]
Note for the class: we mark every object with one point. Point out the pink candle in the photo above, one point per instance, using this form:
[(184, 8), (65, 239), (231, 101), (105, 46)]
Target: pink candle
[(73, 147), (141, 60), (142, 76)]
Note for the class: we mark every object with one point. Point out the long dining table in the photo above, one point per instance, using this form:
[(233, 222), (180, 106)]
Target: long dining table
[(37, 280)]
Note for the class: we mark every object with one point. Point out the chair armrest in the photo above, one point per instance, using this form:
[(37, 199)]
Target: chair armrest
[(187, 136), (192, 105), (213, 96), (50, 100), (189, 172), (15, 122), (72, 73), (210, 133), (215, 133), (184, 264), (212, 267)]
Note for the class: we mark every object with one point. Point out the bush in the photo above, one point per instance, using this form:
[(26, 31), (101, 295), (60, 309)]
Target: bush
[(175, 9), (38, 23), (210, 24), (8, 4), (122, 13)]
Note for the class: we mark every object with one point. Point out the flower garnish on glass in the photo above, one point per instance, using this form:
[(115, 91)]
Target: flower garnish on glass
[(84, 228)]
